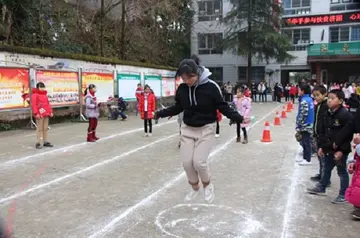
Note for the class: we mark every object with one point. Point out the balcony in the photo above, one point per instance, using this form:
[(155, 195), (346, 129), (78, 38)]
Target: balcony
[(345, 51)]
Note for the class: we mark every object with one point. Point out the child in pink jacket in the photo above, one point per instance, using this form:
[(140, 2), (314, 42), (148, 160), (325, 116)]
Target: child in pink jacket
[(243, 105), (353, 192)]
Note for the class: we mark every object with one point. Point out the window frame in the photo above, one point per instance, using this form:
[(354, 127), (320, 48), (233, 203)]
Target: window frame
[(343, 5), (213, 16), (350, 27), (215, 71), (254, 72), (215, 49), (297, 10), (298, 46)]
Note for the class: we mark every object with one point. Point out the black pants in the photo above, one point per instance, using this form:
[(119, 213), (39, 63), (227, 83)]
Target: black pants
[(217, 128), (292, 98), (146, 123), (286, 97), (229, 97), (253, 96), (238, 127)]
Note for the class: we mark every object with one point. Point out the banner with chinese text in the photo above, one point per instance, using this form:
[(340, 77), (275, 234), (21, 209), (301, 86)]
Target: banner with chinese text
[(14, 88), (104, 84), (168, 87), (62, 87)]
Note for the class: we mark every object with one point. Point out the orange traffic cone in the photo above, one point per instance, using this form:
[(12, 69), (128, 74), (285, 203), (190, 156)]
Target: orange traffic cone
[(277, 121), (266, 133), (283, 113), (292, 105), (289, 107)]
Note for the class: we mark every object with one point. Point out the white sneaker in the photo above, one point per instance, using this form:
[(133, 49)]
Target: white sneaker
[(209, 193), (299, 159), (149, 134), (192, 194), (217, 135), (146, 135), (304, 162)]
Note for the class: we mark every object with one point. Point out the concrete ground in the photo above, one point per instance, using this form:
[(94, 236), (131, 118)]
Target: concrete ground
[(127, 185)]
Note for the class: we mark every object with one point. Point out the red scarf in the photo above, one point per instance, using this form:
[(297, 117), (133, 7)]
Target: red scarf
[(93, 95)]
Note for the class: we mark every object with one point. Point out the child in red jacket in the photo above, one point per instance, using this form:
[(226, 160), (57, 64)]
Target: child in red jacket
[(147, 106), (42, 111)]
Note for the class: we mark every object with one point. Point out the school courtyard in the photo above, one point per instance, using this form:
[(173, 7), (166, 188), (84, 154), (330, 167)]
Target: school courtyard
[(127, 185)]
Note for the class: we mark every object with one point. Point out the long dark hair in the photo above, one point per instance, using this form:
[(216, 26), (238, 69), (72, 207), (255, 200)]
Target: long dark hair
[(91, 86), (40, 85)]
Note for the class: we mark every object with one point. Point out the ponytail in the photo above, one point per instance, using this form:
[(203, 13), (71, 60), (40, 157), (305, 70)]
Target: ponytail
[(91, 86)]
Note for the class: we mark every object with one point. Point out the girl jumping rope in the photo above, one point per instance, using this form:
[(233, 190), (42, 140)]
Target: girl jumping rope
[(147, 106), (243, 105), (199, 98), (92, 112)]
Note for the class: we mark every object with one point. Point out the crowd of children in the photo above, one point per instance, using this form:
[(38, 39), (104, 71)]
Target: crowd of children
[(332, 124)]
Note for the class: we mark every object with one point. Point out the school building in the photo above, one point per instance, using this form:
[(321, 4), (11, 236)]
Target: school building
[(325, 38)]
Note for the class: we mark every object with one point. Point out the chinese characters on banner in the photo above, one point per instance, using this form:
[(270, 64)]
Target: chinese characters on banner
[(168, 87), (62, 87), (104, 85), (324, 19), (14, 88)]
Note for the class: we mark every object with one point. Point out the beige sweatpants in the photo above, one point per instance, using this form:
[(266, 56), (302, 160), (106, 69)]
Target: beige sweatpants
[(196, 144), (42, 125)]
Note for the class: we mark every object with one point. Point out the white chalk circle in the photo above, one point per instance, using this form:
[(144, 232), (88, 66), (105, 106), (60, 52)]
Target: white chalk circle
[(206, 220)]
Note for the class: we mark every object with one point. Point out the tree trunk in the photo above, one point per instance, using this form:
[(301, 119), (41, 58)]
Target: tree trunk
[(122, 40), (249, 56), (102, 16)]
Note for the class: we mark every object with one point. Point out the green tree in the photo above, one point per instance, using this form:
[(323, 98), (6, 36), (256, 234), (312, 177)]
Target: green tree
[(253, 31)]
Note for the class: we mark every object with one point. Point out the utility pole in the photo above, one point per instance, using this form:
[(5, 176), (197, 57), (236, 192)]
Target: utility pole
[(102, 15), (123, 23)]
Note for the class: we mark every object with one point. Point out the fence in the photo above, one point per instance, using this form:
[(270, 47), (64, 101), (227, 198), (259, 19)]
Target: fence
[(65, 88)]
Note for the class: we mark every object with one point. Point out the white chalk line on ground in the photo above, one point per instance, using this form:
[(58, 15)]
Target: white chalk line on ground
[(295, 176), (100, 164), (155, 194), (67, 148)]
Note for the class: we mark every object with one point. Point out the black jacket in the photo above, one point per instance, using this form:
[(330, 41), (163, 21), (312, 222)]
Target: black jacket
[(353, 103), (350, 129), (334, 122), (320, 111), (200, 103)]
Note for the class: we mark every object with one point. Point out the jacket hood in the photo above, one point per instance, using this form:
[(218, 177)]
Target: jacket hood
[(204, 75), (203, 79), (36, 90)]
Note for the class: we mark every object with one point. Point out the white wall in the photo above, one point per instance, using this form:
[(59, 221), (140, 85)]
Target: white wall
[(320, 6)]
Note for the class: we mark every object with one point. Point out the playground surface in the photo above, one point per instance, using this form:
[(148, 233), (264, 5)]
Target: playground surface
[(128, 185)]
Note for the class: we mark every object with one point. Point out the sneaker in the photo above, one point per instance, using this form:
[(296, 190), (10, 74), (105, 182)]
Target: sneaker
[(313, 155), (304, 162), (238, 139), (217, 135), (245, 141), (340, 199), (298, 159), (146, 135), (38, 146), (179, 144), (316, 191), (316, 178), (149, 135), (192, 195), (48, 144), (209, 193), (356, 214)]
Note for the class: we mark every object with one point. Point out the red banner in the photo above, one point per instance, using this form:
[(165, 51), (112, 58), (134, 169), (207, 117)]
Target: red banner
[(62, 87), (14, 88)]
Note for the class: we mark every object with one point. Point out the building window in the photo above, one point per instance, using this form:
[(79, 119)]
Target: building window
[(217, 75), (210, 10), (342, 5), (300, 38), (297, 7), (344, 34), (257, 72), (210, 43)]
